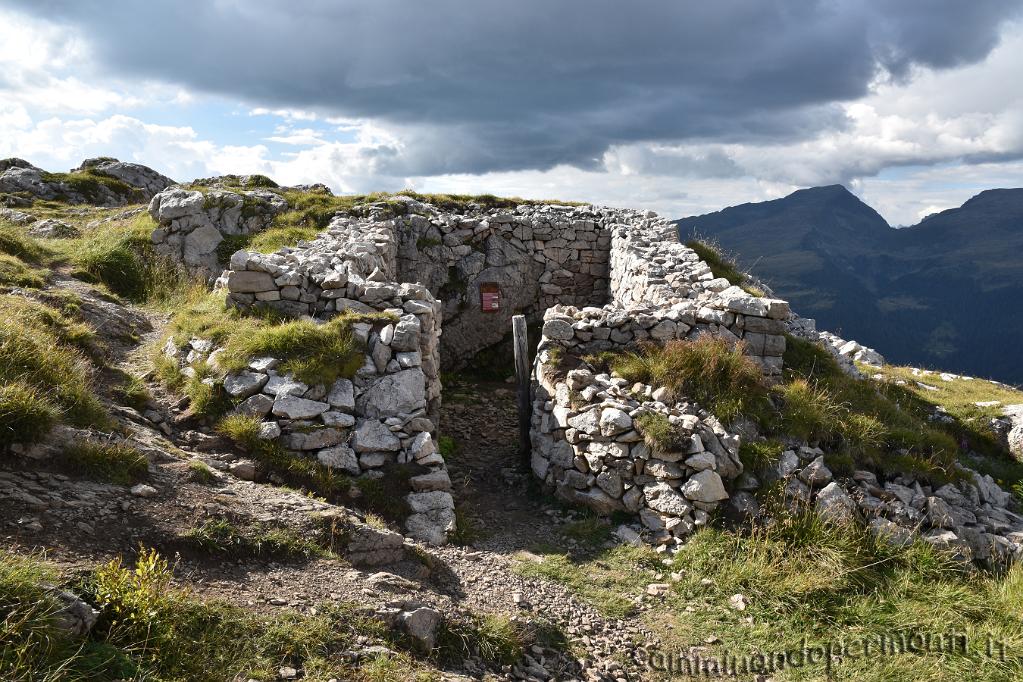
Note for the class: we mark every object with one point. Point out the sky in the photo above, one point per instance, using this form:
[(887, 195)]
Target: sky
[(678, 106)]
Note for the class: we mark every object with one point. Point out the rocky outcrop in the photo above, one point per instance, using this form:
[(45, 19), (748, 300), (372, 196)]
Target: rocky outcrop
[(147, 180), (192, 224), (101, 182)]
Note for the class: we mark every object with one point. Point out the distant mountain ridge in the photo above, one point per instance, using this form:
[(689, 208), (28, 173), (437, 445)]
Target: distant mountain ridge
[(946, 292)]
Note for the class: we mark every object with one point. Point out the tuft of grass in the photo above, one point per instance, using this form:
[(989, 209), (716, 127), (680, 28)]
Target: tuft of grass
[(314, 353), (15, 272), (758, 455), (707, 370), (117, 463), (811, 411), (121, 256), (26, 415), (497, 640), (722, 266), (14, 242), (133, 392), (220, 536), (199, 472), (33, 355), (660, 434), (448, 447)]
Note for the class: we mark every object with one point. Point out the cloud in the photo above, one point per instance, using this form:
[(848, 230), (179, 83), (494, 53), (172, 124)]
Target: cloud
[(496, 85)]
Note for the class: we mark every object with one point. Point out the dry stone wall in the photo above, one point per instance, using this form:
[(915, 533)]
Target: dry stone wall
[(587, 432), (192, 224)]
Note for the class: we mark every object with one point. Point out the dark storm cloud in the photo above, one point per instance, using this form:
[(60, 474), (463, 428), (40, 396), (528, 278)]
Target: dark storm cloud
[(482, 85)]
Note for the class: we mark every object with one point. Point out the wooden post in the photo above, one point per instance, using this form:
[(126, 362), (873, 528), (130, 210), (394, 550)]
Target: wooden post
[(523, 386)]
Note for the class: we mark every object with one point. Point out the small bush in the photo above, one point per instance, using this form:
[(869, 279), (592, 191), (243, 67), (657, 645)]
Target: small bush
[(25, 414), (117, 463), (707, 370)]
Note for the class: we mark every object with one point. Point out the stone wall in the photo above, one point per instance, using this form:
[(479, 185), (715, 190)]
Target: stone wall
[(192, 224), (589, 447)]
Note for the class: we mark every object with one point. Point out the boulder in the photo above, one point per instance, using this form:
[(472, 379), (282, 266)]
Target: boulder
[(706, 487)]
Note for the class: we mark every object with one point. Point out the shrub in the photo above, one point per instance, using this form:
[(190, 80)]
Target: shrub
[(118, 463), (718, 376), (25, 414)]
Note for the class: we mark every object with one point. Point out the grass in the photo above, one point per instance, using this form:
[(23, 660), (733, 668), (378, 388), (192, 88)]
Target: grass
[(220, 536), (121, 256), (314, 353), (22, 259), (721, 266), (14, 272), (718, 376), (117, 463), (49, 375), (151, 630), (660, 434), (199, 472)]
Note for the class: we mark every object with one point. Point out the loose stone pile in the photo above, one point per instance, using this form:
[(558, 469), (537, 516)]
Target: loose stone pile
[(972, 517), (192, 224), (847, 353)]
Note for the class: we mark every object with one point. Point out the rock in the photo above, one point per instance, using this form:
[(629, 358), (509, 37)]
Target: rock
[(399, 393), (76, 617), (269, 431), (244, 384), (247, 281), (373, 436), (816, 474), (892, 533), (245, 470), (834, 504), (258, 405), (421, 625), (558, 330), (340, 457), (290, 407), (53, 229), (665, 499), (144, 491), (433, 481), (738, 602), (614, 421), (657, 589), (705, 486), (342, 395)]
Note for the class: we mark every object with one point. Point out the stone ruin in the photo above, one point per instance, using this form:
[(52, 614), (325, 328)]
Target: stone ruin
[(599, 278)]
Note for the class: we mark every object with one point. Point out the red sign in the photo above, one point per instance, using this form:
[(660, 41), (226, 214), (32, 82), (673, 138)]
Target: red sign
[(490, 297)]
